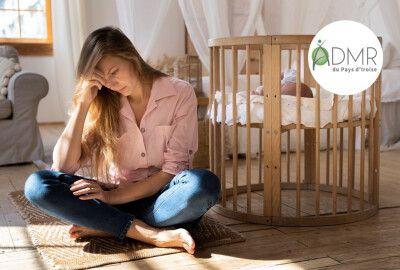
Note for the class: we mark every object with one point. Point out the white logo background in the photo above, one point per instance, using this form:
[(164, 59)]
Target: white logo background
[(352, 78)]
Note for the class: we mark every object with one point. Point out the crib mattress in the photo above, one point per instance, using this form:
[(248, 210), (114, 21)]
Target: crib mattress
[(289, 109)]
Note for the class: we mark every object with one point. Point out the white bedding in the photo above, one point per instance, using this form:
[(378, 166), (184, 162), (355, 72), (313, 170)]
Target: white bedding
[(288, 108)]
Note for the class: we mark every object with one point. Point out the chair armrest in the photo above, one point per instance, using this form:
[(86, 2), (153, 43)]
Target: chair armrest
[(25, 90)]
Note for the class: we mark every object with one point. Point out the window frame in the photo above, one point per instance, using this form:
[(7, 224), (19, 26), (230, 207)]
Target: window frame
[(33, 46)]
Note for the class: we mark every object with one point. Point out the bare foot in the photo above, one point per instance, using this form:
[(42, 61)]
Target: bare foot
[(77, 232), (175, 238)]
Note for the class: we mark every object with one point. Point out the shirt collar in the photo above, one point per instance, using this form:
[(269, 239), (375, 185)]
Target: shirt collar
[(162, 88)]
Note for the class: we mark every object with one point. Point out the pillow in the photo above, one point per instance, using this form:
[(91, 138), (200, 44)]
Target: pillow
[(8, 67)]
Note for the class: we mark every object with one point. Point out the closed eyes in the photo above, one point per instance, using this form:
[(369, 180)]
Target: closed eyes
[(114, 72)]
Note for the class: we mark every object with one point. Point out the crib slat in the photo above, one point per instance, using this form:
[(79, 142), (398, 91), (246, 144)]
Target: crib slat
[(276, 130), (362, 152), (328, 157), (260, 131), (260, 66), (370, 146), (223, 119), (288, 156), (267, 130), (235, 128), (306, 69), (317, 139), (353, 159), (248, 138), (341, 159), (288, 132), (298, 137), (309, 136), (211, 104), (217, 126), (376, 141), (334, 176), (350, 167), (260, 150)]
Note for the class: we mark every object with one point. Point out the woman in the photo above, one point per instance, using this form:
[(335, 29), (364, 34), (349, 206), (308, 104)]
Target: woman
[(138, 130)]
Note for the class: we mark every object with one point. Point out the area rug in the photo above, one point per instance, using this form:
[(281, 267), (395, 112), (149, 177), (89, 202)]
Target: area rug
[(49, 236)]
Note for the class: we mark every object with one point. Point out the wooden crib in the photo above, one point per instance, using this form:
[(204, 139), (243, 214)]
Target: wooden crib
[(304, 188)]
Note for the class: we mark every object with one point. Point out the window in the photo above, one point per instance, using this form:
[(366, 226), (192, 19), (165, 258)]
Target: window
[(26, 25)]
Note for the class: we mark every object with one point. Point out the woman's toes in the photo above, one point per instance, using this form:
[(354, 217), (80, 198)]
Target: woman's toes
[(187, 241), (76, 231), (188, 249), (75, 235), (73, 228)]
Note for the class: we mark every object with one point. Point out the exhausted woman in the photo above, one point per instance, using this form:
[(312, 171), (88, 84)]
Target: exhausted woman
[(137, 130)]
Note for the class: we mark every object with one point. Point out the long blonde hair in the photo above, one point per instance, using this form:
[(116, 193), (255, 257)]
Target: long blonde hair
[(101, 126)]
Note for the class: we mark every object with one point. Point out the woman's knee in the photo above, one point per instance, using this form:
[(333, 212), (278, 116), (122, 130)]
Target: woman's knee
[(35, 188), (207, 183)]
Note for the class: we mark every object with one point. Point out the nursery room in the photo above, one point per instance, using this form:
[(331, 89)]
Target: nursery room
[(277, 124)]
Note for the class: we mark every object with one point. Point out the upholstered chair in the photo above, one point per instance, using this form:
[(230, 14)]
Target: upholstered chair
[(20, 93)]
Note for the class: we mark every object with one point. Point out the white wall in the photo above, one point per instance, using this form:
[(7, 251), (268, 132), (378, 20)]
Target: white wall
[(100, 13), (49, 108)]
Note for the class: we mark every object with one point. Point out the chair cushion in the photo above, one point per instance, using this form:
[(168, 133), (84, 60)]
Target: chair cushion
[(5, 108), (8, 67)]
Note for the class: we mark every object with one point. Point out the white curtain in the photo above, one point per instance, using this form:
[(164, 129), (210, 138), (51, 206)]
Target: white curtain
[(142, 22), (285, 17), (308, 16), (69, 32), (390, 14), (218, 18)]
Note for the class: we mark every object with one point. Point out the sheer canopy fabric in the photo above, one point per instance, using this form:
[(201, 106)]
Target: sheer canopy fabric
[(143, 28), (219, 18), (391, 11), (68, 37)]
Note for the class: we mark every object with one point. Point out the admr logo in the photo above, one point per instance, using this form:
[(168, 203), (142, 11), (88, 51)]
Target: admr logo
[(345, 57), (320, 55)]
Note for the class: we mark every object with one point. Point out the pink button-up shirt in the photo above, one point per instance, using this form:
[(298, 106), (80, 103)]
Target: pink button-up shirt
[(167, 137)]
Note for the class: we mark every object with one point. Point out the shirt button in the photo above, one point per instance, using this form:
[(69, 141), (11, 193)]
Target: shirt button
[(190, 152), (143, 154), (142, 130)]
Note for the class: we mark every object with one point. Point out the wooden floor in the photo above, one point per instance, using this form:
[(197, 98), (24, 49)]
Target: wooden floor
[(370, 244)]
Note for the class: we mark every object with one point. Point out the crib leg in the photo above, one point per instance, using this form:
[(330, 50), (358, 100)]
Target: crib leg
[(309, 156), (218, 149)]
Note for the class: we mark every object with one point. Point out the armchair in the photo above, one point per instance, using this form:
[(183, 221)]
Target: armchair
[(20, 139)]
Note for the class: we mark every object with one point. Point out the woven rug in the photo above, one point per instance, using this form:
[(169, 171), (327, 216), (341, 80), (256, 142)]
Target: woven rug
[(49, 235)]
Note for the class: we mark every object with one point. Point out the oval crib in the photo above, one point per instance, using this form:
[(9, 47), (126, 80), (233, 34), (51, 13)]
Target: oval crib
[(286, 185)]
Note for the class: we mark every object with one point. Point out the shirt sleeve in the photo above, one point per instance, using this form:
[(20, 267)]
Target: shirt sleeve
[(183, 142)]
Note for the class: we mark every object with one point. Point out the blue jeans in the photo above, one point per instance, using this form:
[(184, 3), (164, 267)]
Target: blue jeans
[(182, 201)]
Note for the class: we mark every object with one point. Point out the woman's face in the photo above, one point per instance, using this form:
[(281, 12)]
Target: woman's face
[(118, 74)]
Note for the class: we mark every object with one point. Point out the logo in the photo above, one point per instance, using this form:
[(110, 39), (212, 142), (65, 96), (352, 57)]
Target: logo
[(320, 55), (345, 57)]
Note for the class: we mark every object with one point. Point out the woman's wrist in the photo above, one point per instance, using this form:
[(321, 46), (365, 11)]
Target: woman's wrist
[(112, 199), (84, 104)]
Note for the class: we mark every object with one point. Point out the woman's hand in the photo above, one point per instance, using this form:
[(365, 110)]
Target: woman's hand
[(90, 87), (89, 189)]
